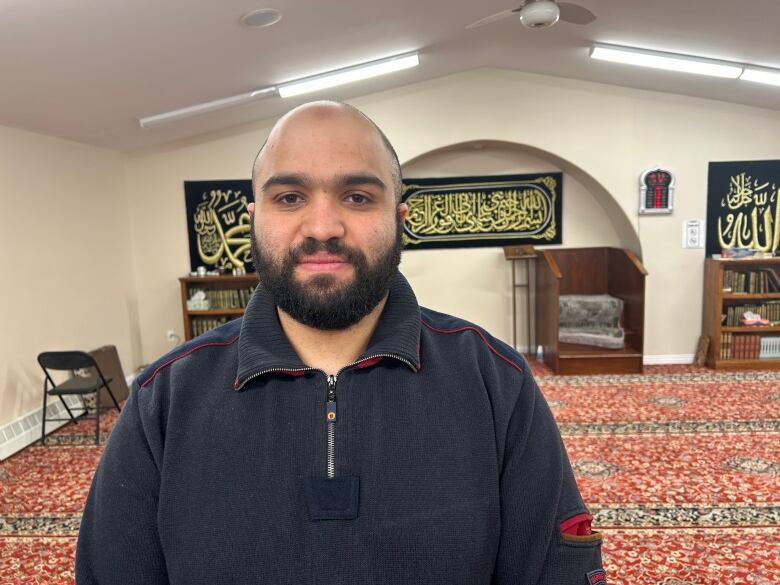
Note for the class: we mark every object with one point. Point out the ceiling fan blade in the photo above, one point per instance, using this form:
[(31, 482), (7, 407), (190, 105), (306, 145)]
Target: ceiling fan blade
[(493, 18), (575, 14)]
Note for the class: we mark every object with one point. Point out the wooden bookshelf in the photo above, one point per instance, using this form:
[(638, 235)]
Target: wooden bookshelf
[(229, 295), (716, 305)]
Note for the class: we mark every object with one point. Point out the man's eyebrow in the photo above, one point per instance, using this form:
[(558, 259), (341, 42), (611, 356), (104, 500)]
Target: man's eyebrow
[(285, 179), (306, 181), (357, 179)]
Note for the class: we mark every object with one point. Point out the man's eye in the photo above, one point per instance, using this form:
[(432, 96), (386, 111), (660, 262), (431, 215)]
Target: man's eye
[(358, 198), (290, 198)]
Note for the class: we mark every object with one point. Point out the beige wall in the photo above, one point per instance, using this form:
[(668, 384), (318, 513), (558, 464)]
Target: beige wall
[(155, 186), (479, 279), (601, 136), (67, 273), (84, 228)]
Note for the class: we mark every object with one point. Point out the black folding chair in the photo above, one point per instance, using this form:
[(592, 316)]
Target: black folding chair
[(76, 385)]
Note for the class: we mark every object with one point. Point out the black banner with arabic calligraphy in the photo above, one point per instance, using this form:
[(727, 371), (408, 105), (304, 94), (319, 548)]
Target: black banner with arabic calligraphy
[(460, 212), (742, 206), (218, 223)]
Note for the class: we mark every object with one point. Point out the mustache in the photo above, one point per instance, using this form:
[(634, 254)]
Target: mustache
[(333, 246)]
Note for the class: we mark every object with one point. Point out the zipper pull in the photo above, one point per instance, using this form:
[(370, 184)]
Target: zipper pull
[(330, 406)]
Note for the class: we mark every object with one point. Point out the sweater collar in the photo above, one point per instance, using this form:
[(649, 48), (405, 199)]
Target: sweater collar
[(263, 347)]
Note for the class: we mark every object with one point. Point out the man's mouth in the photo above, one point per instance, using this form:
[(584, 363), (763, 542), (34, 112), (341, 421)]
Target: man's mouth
[(322, 262)]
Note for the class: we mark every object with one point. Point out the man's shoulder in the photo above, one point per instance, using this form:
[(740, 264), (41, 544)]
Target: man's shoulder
[(471, 337), (224, 336)]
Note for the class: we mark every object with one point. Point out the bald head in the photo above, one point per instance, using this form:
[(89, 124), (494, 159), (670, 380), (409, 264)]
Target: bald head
[(312, 113)]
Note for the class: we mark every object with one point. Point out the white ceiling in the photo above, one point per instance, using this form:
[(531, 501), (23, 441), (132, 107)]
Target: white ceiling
[(86, 70)]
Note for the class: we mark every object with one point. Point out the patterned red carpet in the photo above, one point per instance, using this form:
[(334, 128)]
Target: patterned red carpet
[(681, 468)]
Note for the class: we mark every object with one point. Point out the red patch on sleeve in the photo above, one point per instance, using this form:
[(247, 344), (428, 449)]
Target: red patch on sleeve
[(597, 577), (578, 525)]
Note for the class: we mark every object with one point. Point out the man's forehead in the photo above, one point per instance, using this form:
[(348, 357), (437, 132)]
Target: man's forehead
[(322, 110), (311, 120), (330, 125)]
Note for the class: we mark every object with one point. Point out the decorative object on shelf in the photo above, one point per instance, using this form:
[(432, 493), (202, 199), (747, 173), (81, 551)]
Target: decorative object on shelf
[(735, 253), (459, 212), (752, 319), (198, 301), (656, 191), (218, 224), (742, 206)]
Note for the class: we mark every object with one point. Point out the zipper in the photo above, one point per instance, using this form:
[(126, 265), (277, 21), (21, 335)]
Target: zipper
[(307, 369), (382, 355), (330, 417), (269, 370), (331, 410)]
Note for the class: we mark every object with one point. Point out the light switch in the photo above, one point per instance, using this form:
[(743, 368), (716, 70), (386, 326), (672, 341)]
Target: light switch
[(693, 233)]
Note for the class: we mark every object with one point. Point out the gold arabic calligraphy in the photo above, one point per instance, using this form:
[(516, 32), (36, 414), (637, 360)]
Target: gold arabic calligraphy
[(222, 229), (517, 211), (751, 221)]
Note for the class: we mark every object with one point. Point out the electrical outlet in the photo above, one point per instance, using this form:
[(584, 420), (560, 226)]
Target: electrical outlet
[(170, 335)]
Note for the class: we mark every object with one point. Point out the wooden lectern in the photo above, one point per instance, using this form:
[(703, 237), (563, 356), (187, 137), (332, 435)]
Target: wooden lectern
[(525, 255)]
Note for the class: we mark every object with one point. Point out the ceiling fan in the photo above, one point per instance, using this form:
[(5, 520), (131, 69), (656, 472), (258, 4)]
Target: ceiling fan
[(541, 14)]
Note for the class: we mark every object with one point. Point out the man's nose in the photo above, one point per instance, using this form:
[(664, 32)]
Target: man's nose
[(323, 220)]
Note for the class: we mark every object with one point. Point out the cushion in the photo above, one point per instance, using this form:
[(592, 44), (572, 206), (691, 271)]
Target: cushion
[(589, 311), (591, 320)]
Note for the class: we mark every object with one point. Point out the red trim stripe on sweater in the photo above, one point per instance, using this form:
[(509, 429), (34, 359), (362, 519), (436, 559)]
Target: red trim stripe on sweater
[(481, 336), (185, 354)]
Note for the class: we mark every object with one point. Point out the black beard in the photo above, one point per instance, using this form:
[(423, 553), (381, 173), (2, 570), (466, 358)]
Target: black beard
[(321, 303)]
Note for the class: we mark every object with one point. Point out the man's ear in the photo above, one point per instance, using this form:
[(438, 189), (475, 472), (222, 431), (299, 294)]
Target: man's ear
[(250, 207), (403, 210)]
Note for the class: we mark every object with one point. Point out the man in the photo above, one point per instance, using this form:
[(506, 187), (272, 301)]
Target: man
[(338, 433)]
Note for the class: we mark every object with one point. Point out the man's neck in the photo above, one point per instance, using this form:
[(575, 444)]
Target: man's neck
[(330, 351)]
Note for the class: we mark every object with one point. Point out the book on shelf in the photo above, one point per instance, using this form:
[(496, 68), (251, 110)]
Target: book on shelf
[(770, 347), (201, 325), (772, 280), (769, 310), (725, 346), (743, 346), (758, 281), (219, 299), (736, 347)]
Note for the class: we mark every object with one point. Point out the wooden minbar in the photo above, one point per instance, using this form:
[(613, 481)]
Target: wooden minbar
[(590, 271)]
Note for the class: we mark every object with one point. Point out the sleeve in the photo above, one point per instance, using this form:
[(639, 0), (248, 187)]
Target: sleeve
[(545, 526), (118, 540)]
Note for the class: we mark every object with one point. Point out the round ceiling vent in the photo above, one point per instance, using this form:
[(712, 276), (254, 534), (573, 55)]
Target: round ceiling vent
[(261, 18)]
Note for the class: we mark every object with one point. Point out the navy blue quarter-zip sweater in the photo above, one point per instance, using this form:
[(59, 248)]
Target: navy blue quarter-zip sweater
[(432, 459)]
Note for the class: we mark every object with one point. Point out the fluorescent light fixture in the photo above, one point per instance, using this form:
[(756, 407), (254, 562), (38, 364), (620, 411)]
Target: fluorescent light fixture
[(306, 85), (348, 75), (228, 102), (770, 76), (668, 61)]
